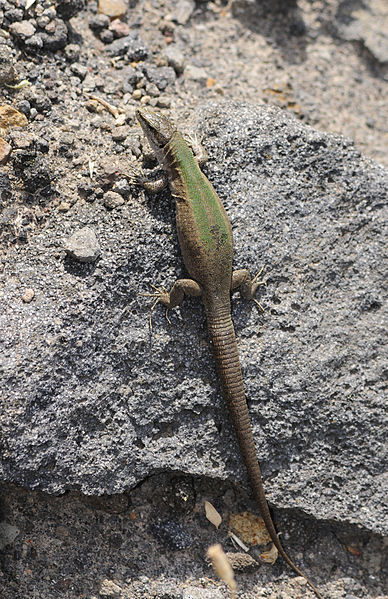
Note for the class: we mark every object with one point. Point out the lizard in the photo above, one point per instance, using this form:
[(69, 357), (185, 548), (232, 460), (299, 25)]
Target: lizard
[(206, 242)]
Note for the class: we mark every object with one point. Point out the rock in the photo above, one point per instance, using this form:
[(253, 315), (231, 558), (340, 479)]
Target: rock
[(112, 200), (131, 45), (72, 52), (183, 11), (109, 589), (57, 38), (5, 151), (195, 74), (8, 72), (175, 58), (10, 117), (28, 296), (34, 43), (367, 23), (83, 245), (67, 9), (112, 8), (8, 534), (119, 29), (98, 23), (87, 406), (22, 30), (162, 77)]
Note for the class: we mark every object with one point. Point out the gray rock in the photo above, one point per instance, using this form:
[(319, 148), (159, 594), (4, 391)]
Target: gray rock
[(112, 200), (22, 29), (8, 534), (160, 76), (183, 11), (194, 73), (8, 72), (92, 401), (131, 45), (175, 58), (83, 245), (367, 23)]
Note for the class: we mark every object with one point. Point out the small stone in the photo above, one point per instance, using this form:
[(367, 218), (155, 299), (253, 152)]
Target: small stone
[(66, 8), (137, 94), (131, 45), (98, 23), (175, 58), (164, 102), (72, 52), (15, 14), (24, 106), (107, 36), (10, 117), (21, 140), (83, 245), (112, 8), (119, 28), (195, 74), (120, 133), (57, 39), (79, 70), (28, 296), (152, 90), (5, 151), (123, 187), (112, 200), (35, 42), (7, 69), (64, 207), (22, 29), (8, 534), (183, 11), (161, 76), (109, 589)]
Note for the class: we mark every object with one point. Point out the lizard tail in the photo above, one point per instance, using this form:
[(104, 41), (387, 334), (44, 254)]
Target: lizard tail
[(223, 341)]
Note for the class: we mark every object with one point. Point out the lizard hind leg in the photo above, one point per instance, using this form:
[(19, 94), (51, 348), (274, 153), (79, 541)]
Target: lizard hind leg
[(173, 298), (247, 286)]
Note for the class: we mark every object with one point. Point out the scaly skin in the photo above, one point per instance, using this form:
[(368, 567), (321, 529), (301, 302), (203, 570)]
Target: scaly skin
[(205, 237)]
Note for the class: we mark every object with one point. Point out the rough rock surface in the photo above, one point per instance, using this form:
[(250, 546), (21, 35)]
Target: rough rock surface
[(92, 401)]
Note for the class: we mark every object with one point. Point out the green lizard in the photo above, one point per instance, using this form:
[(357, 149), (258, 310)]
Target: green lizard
[(205, 237)]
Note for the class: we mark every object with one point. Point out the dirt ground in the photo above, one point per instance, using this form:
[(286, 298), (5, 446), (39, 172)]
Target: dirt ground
[(77, 76)]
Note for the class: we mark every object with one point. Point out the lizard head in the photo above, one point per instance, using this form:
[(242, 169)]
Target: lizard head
[(157, 128)]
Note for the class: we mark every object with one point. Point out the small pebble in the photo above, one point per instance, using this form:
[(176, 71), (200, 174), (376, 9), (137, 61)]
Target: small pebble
[(175, 58), (112, 8), (83, 245), (5, 151), (109, 589), (22, 29), (72, 52), (28, 296), (195, 74), (112, 200), (119, 28), (98, 23), (64, 207), (120, 133), (79, 70), (183, 11)]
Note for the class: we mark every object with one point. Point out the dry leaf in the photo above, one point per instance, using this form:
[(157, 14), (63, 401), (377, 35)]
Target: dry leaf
[(212, 515), (270, 557)]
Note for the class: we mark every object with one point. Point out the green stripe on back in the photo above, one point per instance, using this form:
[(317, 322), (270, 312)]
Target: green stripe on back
[(209, 214)]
